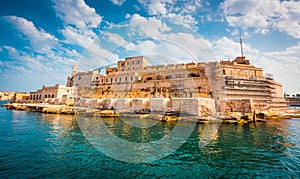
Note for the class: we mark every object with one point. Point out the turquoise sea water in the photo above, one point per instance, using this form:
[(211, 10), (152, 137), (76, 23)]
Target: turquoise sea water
[(49, 145)]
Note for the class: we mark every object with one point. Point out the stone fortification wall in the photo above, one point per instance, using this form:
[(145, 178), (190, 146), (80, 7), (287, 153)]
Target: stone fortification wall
[(186, 106), (217, 84), (239, 105)]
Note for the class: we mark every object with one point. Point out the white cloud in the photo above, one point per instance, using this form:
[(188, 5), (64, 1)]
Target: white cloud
[(40, 41), (127, 16), (78, 37), (146, 36), (11, 50), (178, 12), (118, 2), (263, 16), (115, 38), (289, 20), (76, 12), (152, 27)]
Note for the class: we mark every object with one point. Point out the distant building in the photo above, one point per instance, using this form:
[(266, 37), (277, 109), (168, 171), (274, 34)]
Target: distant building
[(58, 94), (293, 100), (14, 96), (71, 77)]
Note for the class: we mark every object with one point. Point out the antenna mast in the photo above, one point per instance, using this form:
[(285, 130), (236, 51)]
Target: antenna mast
[(241, 43)]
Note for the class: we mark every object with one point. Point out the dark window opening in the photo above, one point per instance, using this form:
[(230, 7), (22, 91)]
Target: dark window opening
[(149, 78)]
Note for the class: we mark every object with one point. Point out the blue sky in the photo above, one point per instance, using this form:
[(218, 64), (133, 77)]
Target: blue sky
[(41, 40)]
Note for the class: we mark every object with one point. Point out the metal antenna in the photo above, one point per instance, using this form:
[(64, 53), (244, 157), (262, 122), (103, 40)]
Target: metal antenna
[(241, 43)]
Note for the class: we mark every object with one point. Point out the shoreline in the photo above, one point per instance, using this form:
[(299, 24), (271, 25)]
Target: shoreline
[(229, 118)]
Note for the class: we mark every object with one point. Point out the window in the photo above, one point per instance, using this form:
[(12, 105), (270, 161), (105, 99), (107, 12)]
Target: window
[(106, 80), (131, 78), (120, 79), (133, 63), (138, 62), (111, 80), (79, 78), (115, 79), (97, 78), (52, 95), (126, 78)]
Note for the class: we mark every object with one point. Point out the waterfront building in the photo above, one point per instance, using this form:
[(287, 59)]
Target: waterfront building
[(235, 86), (293, 100), (247, 88), (14, 96), (58, 94)]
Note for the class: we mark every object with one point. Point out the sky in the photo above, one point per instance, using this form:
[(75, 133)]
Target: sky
[(41, 40)]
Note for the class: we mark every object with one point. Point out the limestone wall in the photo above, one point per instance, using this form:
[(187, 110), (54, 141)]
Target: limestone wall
[(239, 105), (186, 106)]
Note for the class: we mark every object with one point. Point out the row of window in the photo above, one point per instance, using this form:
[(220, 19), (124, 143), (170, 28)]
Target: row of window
[(110, 80), (38, 97), (138, 62)]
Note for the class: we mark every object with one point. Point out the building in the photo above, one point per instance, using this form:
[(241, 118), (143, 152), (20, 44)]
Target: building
[(71, 77), (58, 94), (236, 86), (247, 88), (14, 96), (293, 100)]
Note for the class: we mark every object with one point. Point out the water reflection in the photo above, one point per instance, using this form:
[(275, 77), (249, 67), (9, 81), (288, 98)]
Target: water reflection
[(50, 145)]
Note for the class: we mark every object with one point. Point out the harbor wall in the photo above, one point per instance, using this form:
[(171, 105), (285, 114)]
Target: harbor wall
[(189, 106)]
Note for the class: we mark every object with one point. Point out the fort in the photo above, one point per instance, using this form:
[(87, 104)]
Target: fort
[(203, 89), (225, 86)]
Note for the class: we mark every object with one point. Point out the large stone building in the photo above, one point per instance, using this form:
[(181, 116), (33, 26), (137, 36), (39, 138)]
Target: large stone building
[(235, 86), (244, 82)]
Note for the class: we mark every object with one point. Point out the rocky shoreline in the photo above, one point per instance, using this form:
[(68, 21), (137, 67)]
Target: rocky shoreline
[(44, 108), (229, 118)]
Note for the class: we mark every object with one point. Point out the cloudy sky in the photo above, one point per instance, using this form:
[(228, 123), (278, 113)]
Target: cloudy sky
[(41, 40)]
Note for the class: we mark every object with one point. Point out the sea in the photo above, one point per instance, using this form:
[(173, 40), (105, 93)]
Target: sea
[(38, 145)]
